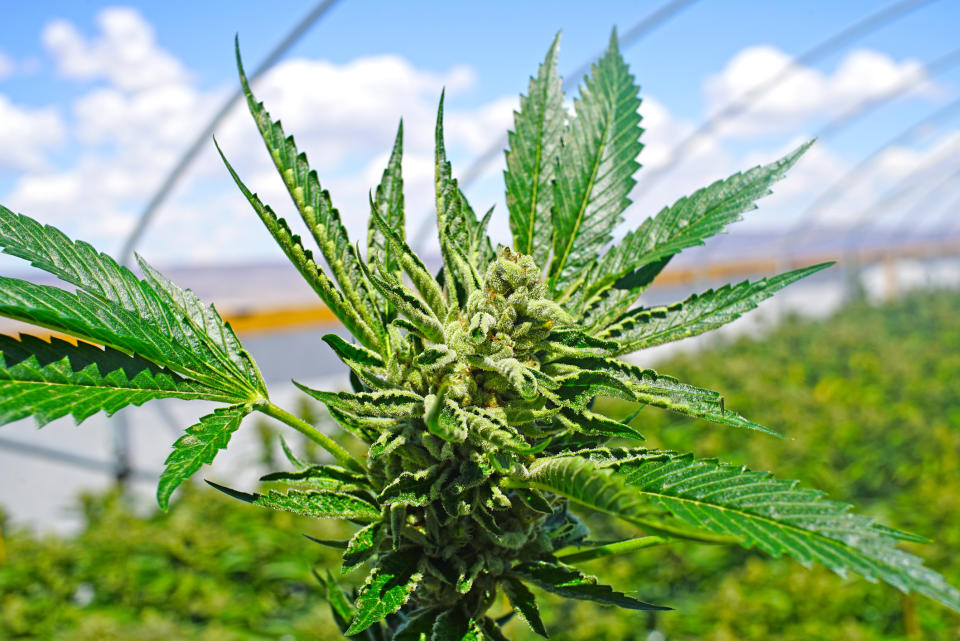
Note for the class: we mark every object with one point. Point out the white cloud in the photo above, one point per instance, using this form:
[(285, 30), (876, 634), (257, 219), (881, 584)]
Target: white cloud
[(806, 93), (133, 125), (125, 53), (27, 134)]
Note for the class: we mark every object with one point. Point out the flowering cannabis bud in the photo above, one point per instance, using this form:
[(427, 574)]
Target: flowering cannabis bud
[(472, 389)]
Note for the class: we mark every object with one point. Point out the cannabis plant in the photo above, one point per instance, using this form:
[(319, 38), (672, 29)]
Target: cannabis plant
[(473, 387)]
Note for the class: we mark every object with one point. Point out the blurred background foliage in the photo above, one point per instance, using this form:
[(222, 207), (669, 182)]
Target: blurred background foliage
[(869, 399)]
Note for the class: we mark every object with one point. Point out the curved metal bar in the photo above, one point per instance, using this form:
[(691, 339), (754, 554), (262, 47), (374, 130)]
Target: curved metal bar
[(178, 171)]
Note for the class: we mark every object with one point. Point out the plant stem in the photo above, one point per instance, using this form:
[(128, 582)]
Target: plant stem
[(343, 456), (620, 547)]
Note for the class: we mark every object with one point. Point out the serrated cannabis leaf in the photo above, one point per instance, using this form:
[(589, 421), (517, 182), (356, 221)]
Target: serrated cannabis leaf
[(198, 446), (643, 328), (532, 159), (321, 504), (524, 603), (570, 582), (388, 586), (48, 380), (388, 207), (316, 208), (780, 518), (645, 251), (305, 263), (595, 172)]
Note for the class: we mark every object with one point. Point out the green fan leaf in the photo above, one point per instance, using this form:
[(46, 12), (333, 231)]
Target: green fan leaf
[(570, 582), (387, 206), (319, 504), (534, 145), (52, 379), (383, 404), (100, 321), (305, 264), (211, 328), (596, 168), (197, 447), (644, 252), (322, 477), (362, 546), (155, 301), (421, 278), (780, 518), (754, 508), (647, 386), (465, 247), (387, 587), (315, 207), (524, 604), (642, 328)]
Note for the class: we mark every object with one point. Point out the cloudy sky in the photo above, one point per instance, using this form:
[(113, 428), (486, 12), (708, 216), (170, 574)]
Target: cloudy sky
[(97, 102)]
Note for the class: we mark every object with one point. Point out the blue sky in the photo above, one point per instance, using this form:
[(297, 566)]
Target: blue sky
[(89, 134)]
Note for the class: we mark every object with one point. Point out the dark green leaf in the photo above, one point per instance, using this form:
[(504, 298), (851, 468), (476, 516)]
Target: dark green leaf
[(316, 209), (198, 446), (387, 587), (780, 518), (570, 582), (50, 380), (597, 163), (524, 604), (532, 159), (642, 328)]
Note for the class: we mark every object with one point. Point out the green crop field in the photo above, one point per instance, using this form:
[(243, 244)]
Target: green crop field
[(870, 400)]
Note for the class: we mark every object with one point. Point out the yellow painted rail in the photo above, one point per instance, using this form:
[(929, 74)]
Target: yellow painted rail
[(294, 317)]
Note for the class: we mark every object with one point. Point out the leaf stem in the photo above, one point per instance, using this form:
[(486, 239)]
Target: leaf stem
[(620, 547), (343, 456)]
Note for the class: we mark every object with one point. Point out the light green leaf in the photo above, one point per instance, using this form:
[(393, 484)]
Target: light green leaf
[(353, 354), (50, 380), (780, 518), (640, 256), (524, 604), (156, 301), (322, 477), (465, 247), (420, 276), (316, 209), (647, 386), (198, 446), (642, 328), (387, 587), (413, 488), (417, 312), (570, 582), (303, 260), (591, 423), (100, 321), (362, 546), (597, 163), (380, 404), (210, 327), (319, 504), (534, 145), (340, 606), (387, 206)]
